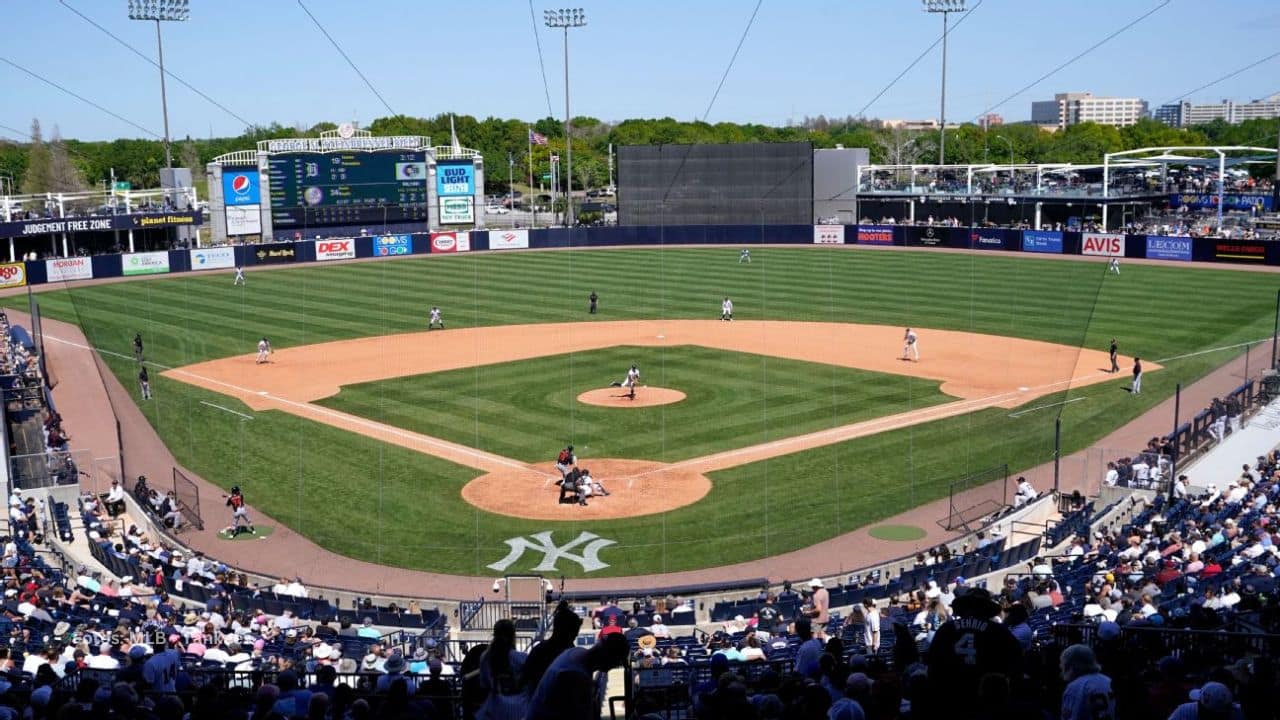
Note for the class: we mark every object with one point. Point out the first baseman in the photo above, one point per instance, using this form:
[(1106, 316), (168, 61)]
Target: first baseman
[(726, 309), (264, 351), (435, 319), (910, 345)]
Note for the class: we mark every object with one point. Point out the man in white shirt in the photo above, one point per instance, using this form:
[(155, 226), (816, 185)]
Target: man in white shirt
[(1141, 473), (1237, 492), (1180, 488), (658, 629), (115, 499), (285, 622), (296, 589), (1113, 475), (103, 660), (1024, 494), (870, 625)]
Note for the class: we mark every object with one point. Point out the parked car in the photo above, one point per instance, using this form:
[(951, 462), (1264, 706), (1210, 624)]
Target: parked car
[(496, 210)]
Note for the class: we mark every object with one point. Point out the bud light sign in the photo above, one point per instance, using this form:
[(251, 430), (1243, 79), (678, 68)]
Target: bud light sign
[(1169, 248), (241, 187), (455, 178)]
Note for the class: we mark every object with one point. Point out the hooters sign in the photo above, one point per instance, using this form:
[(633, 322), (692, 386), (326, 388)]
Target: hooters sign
[(13, 275), (450, 242), (335, 249), (1102, 244)]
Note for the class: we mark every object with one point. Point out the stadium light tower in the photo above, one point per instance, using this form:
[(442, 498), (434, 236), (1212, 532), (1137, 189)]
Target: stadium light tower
[(167, 11), (566, 18), (945, 7)]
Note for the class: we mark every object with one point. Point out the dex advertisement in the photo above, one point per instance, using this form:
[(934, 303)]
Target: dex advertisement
[(1041, 241), (455, 179), (450, 242), (1161, 247), (241, 187), (343, 249), (392, 245), (1104, 244), (828, 234), (147, 263), (875, 234), (219, 258), (508, 239), (60, 269), (457, 211)]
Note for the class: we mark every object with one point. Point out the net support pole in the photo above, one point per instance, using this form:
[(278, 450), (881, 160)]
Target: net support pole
[(1173, 461), (1275, 331), (1057, 452)]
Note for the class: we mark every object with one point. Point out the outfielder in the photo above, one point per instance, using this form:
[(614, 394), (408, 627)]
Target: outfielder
[(910, 345), (1114, 266), (239, 276), (435, 319), (726, 309), (264, 351), (745, 257)]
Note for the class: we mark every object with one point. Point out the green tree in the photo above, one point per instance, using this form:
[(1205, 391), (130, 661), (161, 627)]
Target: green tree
[(64, 175), (39, 175)]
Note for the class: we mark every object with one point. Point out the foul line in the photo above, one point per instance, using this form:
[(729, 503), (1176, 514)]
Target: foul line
[(1214, 350), (233, 412), (1020, 413)]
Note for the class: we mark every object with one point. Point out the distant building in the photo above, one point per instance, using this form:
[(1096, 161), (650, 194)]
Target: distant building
[(930, 124), (1066, 109), (1186, 114), (990, 120)]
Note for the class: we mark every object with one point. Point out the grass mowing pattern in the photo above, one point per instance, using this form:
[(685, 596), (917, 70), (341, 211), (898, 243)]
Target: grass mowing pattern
[(402, 508), (528, 409)]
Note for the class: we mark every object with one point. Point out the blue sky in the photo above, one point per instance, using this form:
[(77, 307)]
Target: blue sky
[(266, 61)]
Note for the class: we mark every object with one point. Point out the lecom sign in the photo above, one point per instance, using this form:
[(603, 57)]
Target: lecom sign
[(335, 249)]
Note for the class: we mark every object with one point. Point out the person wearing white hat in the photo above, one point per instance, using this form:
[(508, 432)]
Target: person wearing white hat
[(821, 603), (658, 629)]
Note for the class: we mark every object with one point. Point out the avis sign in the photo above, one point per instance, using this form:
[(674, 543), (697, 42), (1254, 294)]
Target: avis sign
[(552, 554), (1104, 244), (335, 249)]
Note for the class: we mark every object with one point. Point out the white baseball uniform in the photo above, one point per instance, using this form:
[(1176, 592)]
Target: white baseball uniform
[(633, 378), (726, 309), (239, 276), (911, 346), (435, 319), (1114, 266), (264, 349), (745, 257)]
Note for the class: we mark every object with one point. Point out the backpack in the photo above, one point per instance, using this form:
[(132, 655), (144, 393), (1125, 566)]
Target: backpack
[(565, 457)]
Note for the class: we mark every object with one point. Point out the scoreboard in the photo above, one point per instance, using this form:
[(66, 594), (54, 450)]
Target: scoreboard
[(347, 188)]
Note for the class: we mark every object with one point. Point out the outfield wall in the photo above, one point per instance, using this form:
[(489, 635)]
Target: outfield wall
[(1186, 249)]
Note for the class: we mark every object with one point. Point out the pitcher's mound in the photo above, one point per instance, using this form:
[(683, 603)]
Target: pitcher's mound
[(636, 487), (620, 397)]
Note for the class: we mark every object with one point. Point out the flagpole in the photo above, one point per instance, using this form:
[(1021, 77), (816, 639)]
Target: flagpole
[(533, 207)]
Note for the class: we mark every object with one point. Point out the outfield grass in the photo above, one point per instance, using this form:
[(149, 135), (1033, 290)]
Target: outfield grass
[(528, 410), (404, 507)]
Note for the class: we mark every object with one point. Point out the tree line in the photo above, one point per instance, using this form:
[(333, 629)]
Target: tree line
[(67, 165)]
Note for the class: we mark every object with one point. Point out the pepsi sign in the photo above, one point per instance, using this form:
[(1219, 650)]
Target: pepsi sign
[(241, 187)]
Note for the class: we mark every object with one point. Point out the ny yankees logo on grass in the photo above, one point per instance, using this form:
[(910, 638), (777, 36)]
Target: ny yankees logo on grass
[(552, 553)]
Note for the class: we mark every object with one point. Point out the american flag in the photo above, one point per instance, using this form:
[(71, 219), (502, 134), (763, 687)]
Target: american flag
[(537, 138)]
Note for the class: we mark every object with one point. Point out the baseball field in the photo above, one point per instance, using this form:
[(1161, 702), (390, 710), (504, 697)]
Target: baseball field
[(799, 421)]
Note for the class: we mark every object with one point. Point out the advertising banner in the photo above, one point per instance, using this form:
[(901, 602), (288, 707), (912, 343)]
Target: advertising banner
[(1238, 250), (987, 238), (1230, 201), (45, 226), (241, 187), (392, 245), (448, 242), (508, 239), (457, 211), (148, 263), (875, 234), (1161, 247), (454, 179), (219, 258), (13, 275), (244, 219), (342, 249), (60, 269), (275, 254), (928, 236), (1104, 244), (1041, 241), (828, 234)]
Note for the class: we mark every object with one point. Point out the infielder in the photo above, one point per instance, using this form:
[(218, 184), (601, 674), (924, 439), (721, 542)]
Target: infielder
[(1114, 266), (239, 276), (910, 345), (726, 309), (435, 319), (630, 381), (264, 351), (745, 257)]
